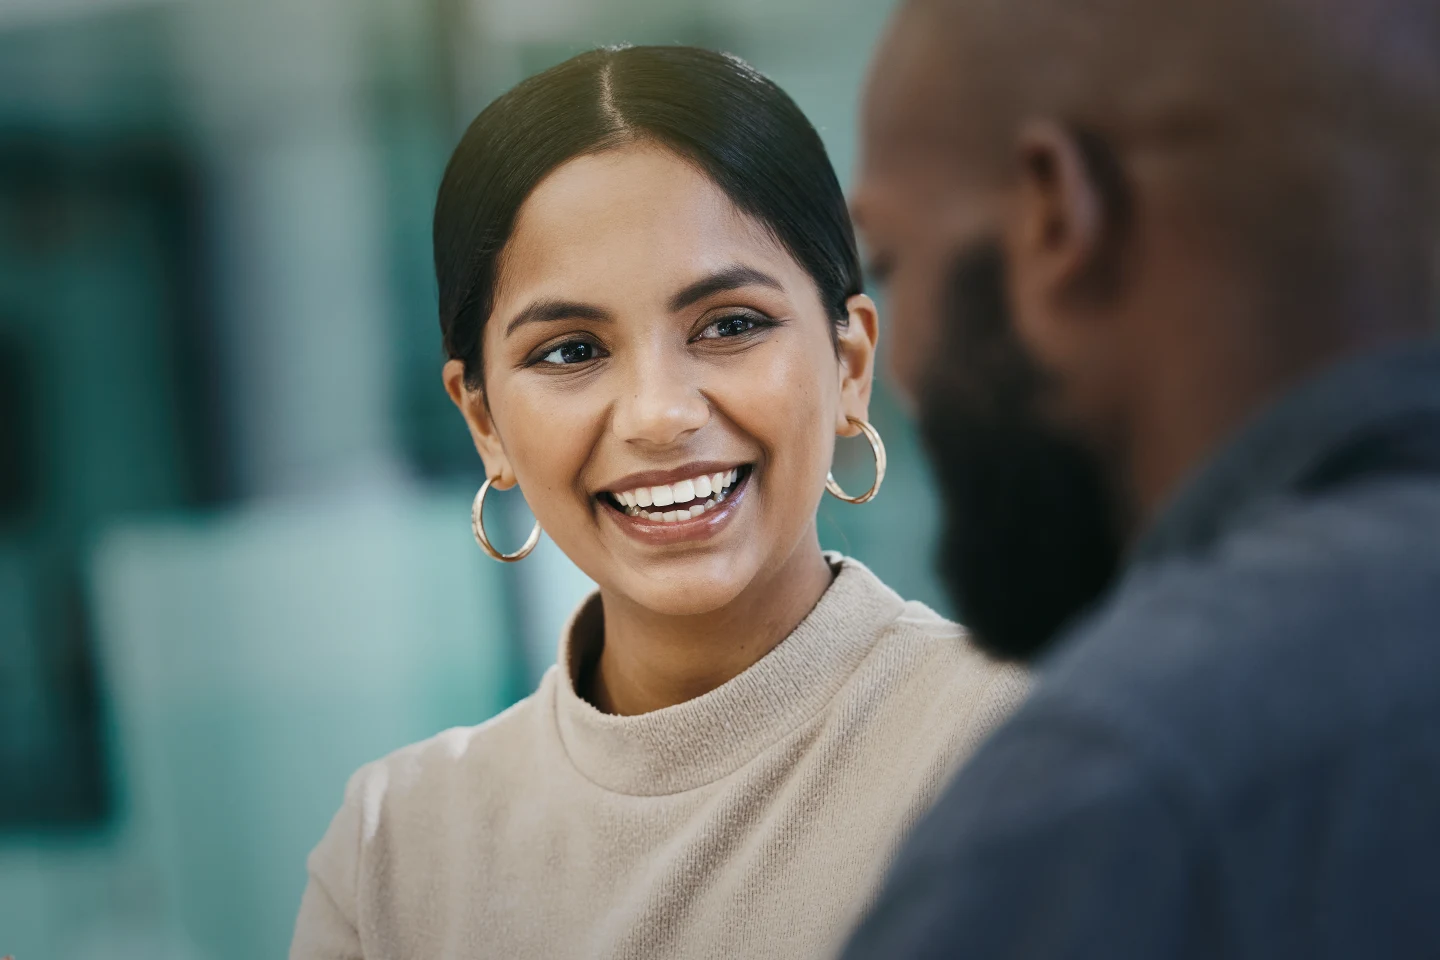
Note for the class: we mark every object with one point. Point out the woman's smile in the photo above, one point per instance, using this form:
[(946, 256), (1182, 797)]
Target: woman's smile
[(696, 505)]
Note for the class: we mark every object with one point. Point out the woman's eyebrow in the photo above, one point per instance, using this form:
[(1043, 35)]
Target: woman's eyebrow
[(730, 278), (545, 311)]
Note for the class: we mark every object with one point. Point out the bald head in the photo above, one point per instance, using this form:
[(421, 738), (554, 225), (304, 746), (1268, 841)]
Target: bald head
[(1297, 141), (1148, 68)]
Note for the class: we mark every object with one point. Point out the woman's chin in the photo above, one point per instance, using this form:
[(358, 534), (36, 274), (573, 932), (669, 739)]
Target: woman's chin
[(686, 589)]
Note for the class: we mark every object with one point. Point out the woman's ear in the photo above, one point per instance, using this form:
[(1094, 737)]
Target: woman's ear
[(857, 341), (471, 404)]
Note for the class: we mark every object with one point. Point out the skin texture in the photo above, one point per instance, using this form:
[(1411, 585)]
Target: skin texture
[(1276, 211), (622, 232)]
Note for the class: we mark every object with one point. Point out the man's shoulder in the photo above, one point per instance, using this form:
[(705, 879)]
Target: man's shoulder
[(1309, 630), (1238, 749)]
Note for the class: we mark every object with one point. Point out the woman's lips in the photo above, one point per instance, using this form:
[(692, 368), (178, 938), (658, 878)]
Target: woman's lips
[(683, 500), (702, 517)]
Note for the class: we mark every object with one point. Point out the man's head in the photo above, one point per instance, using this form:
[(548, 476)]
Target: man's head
[(1111, 230)]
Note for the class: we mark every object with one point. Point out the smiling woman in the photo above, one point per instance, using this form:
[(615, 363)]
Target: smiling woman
[(652, 304)]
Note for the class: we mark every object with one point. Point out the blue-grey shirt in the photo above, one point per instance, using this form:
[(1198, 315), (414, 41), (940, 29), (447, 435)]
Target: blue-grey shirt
[(1238, 753)]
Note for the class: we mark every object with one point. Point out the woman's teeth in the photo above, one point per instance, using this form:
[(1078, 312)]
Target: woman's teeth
[(686, 499)]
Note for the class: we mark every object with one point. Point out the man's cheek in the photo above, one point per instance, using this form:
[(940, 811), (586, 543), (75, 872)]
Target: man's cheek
[(914, 314)]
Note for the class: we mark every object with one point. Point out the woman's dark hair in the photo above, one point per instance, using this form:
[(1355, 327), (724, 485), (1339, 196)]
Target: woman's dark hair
[(712, 109)]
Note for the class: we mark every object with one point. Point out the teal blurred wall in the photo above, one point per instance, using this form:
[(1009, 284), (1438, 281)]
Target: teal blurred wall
[(234, 550)]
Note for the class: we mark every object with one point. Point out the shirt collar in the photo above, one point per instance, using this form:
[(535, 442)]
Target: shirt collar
[(1294, 439)]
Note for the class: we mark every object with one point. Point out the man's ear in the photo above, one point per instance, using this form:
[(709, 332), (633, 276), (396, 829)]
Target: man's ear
[(1058, 231), (856, 343), (1062, 240), (471, 404)]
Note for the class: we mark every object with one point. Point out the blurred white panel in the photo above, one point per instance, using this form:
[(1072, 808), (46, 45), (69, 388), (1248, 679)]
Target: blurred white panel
[(278, 94), (310, 313), (257, 659)]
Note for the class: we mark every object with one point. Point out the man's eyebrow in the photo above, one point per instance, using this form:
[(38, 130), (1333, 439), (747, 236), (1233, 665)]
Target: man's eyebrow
[(878, 268), (731, 278), (545, 311), (856, 209)]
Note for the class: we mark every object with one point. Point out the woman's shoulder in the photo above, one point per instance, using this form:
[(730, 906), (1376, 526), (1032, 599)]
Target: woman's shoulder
[(402, 814), (474, 759), (934, 658), (918, 628), (924, 697)]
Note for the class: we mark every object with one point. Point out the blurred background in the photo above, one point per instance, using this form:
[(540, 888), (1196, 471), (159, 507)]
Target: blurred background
[(235, 560)]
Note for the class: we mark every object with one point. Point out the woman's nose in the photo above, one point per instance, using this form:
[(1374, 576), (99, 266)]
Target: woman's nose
[(661, 406)]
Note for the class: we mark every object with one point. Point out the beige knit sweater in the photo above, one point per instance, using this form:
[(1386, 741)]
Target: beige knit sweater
[(752, 822)]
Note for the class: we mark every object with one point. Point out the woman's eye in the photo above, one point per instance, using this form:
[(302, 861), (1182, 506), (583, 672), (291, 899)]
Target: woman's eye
[(570, 352), (731, 326)]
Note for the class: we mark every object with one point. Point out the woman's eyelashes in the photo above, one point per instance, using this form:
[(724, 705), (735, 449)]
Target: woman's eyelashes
[(572, 351), (567, 353), (735, 325)]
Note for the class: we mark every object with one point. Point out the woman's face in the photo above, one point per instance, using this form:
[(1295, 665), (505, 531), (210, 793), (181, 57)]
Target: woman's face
[(662, 382)]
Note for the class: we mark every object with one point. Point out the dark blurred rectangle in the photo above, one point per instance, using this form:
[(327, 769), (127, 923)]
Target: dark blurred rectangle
[(17, 445), (108, 369), (51, 755)]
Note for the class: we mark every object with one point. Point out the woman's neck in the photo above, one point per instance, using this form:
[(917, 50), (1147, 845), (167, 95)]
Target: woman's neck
[(650, 661)]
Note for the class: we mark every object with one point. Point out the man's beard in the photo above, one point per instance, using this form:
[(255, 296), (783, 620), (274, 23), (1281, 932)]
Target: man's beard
[(1031, 535)]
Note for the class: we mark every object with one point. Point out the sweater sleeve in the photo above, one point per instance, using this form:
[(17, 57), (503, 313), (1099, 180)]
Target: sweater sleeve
[(327, 927), (1049, 844)]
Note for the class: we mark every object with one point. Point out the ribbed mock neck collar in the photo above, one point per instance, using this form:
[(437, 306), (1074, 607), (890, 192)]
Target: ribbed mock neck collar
[(700, 741)]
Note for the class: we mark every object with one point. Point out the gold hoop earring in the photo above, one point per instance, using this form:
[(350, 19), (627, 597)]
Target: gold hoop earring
[(477, 526), (878, 447)]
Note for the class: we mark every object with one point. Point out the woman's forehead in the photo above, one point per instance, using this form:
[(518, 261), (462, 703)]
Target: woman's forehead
[(637, 216)]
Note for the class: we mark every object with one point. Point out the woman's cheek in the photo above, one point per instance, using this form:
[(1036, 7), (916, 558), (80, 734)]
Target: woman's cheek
[(547, 450), (787, 402)]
